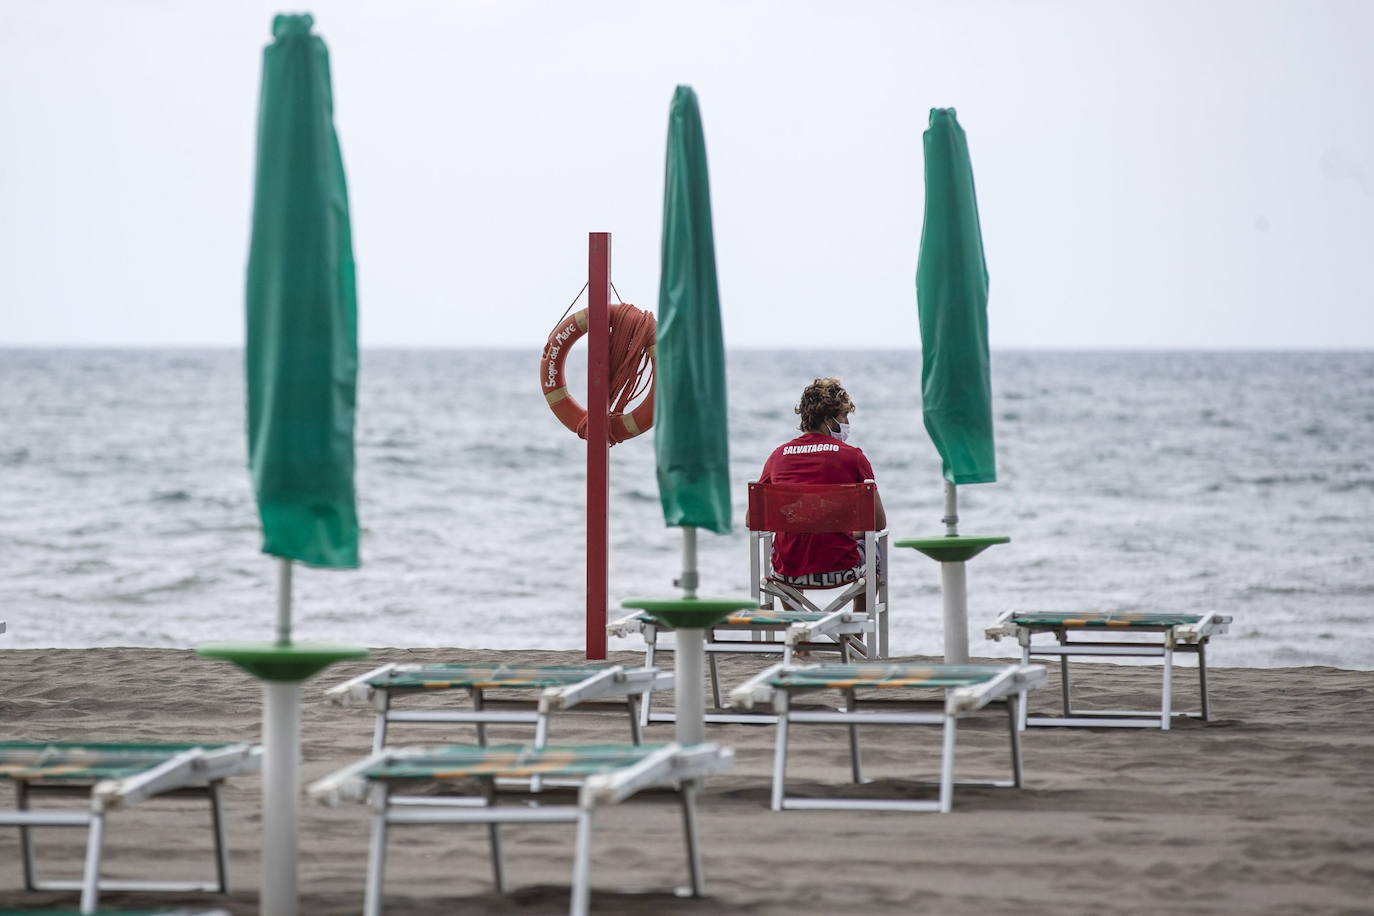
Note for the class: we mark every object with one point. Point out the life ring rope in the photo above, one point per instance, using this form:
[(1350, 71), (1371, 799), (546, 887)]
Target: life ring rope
[(632, 362)]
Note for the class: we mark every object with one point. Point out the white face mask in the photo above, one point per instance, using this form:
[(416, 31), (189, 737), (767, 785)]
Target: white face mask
[(842, 433)]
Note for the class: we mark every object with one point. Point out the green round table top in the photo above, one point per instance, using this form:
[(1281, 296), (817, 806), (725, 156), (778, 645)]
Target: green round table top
[(271, 661), (690, 613), (953, 548)]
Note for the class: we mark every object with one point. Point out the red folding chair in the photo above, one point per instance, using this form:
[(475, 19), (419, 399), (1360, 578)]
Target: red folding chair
[(798, 508)]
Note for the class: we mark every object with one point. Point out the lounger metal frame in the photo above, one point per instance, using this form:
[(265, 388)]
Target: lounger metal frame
[(806, 631), (1008, 687), (633, 685), (1186, 638), (672, 766), (193, 773)]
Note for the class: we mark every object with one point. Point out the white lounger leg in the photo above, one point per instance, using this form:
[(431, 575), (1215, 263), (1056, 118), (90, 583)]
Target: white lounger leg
[(689, 827), (376, 859), (780, 753), (383, 702), (1202, 675), (947, 766), (1014, 715), (582, 865), (650, 652), (1167, 701), (1025, 660), (90, 879), (855, 767)]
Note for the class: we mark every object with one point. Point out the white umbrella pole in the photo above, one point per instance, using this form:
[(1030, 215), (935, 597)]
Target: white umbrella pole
[(280, 786), (689, 562), (281, 733), (954, 589), (283, 601), (689, 704)]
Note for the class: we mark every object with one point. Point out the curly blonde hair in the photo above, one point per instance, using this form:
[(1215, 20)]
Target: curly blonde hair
[(821, 402)]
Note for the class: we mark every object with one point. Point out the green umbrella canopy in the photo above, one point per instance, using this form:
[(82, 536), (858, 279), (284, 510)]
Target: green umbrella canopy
[(302, 346), (952, 297), (691, 444)]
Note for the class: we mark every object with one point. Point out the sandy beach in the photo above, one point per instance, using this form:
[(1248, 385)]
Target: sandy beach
[(1266, 809)]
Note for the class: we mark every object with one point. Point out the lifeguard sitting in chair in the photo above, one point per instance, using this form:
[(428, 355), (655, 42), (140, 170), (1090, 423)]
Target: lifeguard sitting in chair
[(816, 518)]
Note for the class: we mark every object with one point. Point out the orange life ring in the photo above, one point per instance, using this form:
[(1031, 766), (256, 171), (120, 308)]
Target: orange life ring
[(571, 414)]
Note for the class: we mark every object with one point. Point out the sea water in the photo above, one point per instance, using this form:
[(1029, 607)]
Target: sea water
[(1241, 483)]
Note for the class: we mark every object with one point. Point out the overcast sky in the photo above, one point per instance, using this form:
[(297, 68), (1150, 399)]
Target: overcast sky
[(1193, 174)]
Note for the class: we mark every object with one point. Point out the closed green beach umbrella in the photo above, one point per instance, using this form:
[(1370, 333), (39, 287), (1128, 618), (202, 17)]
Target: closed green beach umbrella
[(302, 349), (956, 384), (301, 365), (691, 445), (952, 296)]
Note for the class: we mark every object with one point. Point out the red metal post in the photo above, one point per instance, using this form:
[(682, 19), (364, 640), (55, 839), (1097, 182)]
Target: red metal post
[(598, 448)]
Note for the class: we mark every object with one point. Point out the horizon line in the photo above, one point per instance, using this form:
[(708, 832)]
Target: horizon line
[(773, 348)]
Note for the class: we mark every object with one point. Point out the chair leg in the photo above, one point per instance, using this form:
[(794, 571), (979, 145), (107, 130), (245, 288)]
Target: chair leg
[(582, 866), (1167, 699), (855, 767), (1025, 660), (376, 859), (90, 878), (498, 870), (477, 706), (1064, 683), (379, 729), (650, 653), (1014, 726), (21, 794), (689, 827), (632, 704), (715, 679), (947, 766), (1202, 678), (780, 757), (541, 738), (221, 842)]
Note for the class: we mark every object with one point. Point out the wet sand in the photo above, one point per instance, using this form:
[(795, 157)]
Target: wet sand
[(1268, 808)]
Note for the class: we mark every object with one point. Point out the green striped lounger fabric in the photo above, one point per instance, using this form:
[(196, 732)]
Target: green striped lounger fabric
[(1111, 619), (513, 760), (755, 619), (889, 676), (487, 677), (26, 760)]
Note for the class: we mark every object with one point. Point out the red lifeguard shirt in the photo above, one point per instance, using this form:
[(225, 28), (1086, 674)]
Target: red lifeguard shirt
[(815, 458)]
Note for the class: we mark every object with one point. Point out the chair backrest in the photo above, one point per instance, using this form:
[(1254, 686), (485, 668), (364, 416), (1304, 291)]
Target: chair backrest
[(812, 508)]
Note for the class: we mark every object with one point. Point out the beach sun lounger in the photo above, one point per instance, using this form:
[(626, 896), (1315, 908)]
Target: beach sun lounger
[(776, 633), (961, 690), (114, 776), (587, 688), (1152, 635), (605, 775)]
